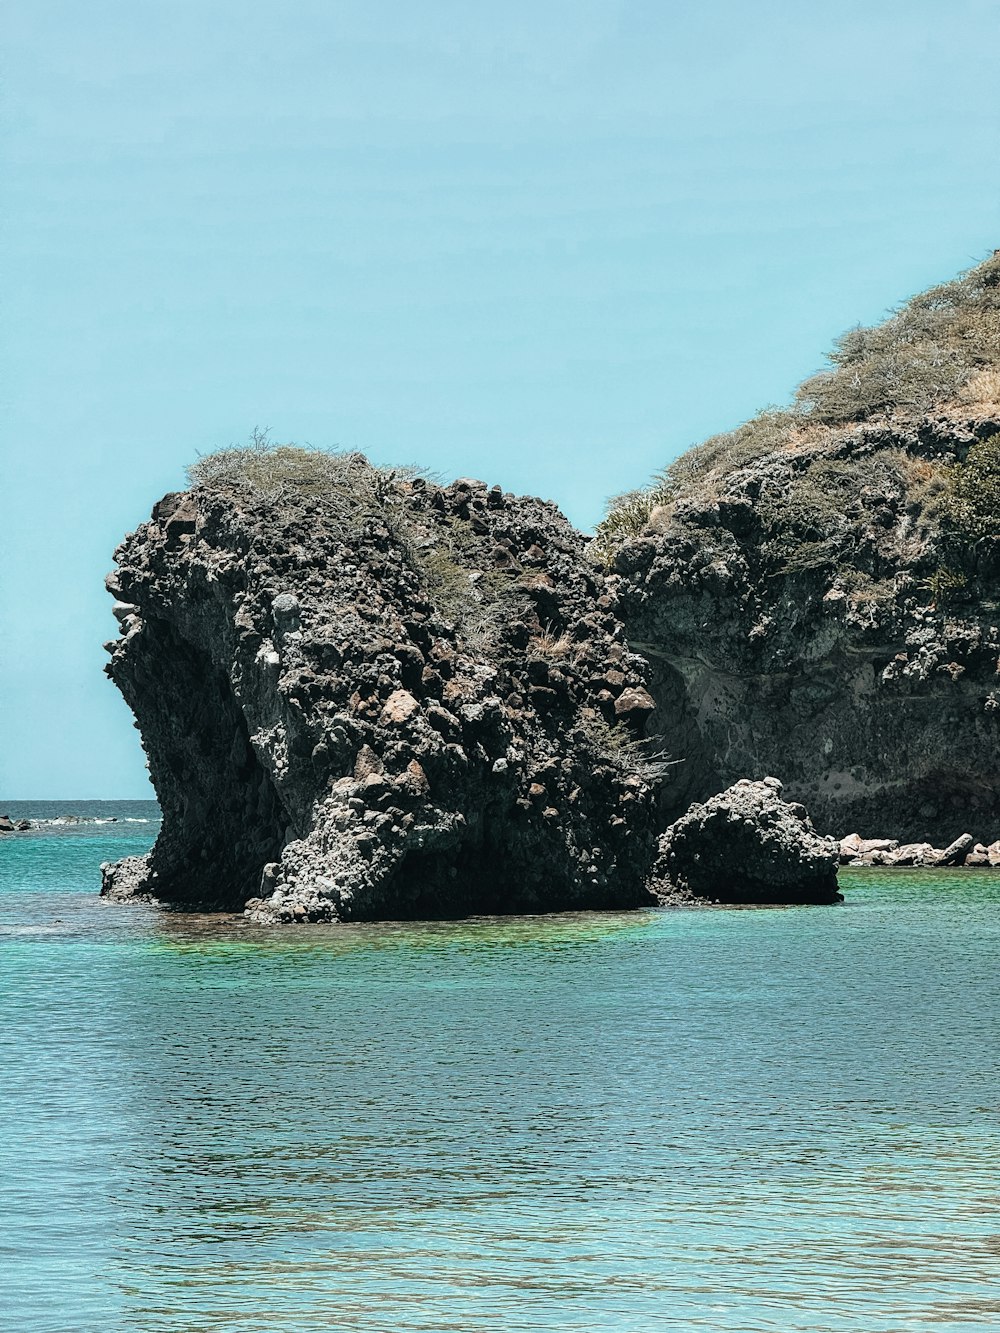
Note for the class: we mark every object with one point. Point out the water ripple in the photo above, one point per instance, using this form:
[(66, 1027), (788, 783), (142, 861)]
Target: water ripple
[(701, 1121)]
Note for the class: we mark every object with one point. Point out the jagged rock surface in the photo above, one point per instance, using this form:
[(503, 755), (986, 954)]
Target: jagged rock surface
[(816, 589), (784, 639), (747, 845), (375, 697)]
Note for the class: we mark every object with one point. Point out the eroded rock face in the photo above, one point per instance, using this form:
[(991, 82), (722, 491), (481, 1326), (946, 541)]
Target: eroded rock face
[(793, 615), (380, 698), (747, 845)]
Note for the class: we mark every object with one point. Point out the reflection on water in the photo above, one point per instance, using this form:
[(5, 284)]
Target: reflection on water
[(693, 1120)]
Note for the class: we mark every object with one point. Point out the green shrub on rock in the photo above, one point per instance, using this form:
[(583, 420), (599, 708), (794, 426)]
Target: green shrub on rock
[(973, 512), (946, 586)]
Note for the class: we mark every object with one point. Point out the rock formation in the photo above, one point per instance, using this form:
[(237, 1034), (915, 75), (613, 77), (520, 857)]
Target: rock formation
[(816, 592), (363, 695), (747, 845), (366, 695)]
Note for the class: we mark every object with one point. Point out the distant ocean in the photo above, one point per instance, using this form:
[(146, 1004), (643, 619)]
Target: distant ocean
[(68, 815), (739, 1122)]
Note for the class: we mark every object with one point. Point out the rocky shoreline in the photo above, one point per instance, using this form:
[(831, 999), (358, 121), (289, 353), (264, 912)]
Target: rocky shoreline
[(8, 825), (888, 852), (367, 696), (373, 697)]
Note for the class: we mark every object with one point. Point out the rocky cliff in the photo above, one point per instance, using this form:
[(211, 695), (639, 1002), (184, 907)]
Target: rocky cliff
[(816, 592), (365, 695)]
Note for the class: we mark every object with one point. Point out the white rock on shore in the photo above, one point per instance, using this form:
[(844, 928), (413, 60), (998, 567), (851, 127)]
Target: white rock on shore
[(963, 851)]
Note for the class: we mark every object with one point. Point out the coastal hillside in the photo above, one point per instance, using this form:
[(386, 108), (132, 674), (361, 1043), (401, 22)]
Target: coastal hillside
[(816, 591)]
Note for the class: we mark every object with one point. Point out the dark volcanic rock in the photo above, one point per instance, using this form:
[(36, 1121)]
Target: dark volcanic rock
[(827, 660), (365, 696), (125, 879), (747, 845), (816, 590)]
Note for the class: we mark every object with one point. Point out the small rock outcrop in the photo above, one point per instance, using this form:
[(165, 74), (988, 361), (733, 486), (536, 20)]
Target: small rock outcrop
[(747, 845), (363, 695)]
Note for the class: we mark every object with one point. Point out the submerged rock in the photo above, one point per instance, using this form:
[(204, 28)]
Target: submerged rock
[(366, 696), (747, 845)]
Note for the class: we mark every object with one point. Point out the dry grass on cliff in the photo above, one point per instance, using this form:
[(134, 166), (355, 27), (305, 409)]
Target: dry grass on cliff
[(280, 476), (920, 357), (549, 644), (980, 394), (939, 350), (269, 471)]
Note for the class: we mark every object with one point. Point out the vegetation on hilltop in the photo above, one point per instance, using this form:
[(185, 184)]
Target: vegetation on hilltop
[(263, 470), (938, 352), (359, 497)]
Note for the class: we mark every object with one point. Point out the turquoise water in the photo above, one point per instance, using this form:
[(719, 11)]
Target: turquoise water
[(757, 1120)]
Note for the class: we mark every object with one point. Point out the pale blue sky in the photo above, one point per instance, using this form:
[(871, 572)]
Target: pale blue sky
[(548, 244)]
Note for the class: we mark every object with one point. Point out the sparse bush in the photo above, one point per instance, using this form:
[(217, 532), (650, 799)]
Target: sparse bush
[(629, 754), (479, 604), (920, 357), (551, 645), (863, 588), (351, 489), (447, 582), (973, 511), (941, 347), (770, 430), (945, 586), (805, 520), (882, 375)]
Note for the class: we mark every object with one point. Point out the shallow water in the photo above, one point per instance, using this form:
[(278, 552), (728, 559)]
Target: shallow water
[(757, 1120)]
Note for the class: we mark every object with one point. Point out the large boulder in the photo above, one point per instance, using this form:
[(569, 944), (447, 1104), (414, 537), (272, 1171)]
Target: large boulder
[(363, 695), (747, 845)]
